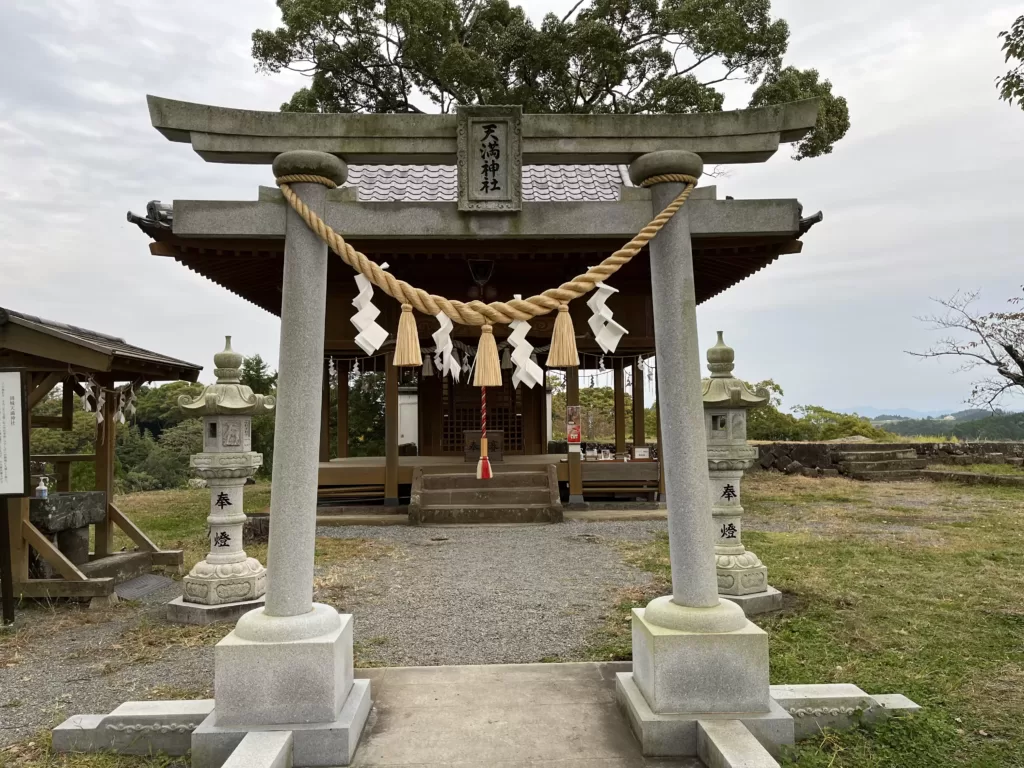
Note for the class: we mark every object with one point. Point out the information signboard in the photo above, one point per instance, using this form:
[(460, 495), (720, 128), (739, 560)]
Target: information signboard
[(14, 475)]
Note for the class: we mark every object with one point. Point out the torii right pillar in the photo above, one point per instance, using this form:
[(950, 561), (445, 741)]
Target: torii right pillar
[(696, 657)]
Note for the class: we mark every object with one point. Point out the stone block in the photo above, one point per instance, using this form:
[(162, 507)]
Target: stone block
[(887, 704), (120, 566), (728, 744), (840, 706), (263, 750), (74, 544), (63, 511), (675, 735), (180, 612), (301, 681), (329, 743), (683, 672), (135, 728), (758, 603)]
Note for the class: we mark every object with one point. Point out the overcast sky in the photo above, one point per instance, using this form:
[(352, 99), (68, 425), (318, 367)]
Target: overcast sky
[(922, 198)]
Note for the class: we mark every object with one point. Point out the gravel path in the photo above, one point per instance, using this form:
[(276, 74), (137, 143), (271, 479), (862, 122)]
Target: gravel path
[(445, 595), (490, 595)]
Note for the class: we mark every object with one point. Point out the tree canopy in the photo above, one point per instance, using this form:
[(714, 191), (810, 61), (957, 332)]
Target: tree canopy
[(1011, 85), (603, 56)]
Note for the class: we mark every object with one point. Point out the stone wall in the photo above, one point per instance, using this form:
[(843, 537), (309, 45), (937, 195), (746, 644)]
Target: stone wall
[(825, 456)]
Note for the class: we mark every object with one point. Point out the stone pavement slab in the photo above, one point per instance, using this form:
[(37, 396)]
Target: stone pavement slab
[(501, 716)]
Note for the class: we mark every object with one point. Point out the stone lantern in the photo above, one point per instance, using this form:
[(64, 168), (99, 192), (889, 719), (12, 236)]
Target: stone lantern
[(228, 582), (742, 577)]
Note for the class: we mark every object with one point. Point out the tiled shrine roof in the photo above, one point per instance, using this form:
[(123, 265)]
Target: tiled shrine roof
[(435, 183)]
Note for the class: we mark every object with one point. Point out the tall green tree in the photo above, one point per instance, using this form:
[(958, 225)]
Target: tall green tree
[(256, 375), (603, 56), (1011, 85)]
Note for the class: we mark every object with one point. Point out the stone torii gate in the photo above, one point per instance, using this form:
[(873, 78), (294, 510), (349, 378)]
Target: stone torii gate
[(699, 682)]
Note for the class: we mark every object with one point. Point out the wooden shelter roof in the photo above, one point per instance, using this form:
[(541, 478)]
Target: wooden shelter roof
[(44, 345)]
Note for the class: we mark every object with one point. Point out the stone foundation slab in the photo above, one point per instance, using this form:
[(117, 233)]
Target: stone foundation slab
[(314, 745), (676, 735), (135, 728)]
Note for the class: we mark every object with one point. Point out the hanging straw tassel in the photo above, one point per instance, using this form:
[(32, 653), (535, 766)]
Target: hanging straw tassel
[(483, 464), (563, 342), (488, 367), (407, 347)]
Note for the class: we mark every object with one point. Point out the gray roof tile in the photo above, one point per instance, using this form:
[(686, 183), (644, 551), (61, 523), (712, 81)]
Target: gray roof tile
[(541, 183)]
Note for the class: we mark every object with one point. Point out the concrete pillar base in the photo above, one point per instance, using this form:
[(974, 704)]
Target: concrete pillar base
[(305, 680), (313, 744), (701, 671), (676, 735)]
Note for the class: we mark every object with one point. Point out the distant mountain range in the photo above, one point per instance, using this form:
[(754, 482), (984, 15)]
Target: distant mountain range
[(871, 412)]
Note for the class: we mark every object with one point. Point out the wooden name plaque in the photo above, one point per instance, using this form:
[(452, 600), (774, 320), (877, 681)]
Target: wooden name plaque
[(495, 440)]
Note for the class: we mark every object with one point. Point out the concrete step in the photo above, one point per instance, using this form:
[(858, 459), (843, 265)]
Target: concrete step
[(262, 749), (894, 474), (121, 566), (890, 455), (489, 496), (882, 466), (500, 480), (486, 513)]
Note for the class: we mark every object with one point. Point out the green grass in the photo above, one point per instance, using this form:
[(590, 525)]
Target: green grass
[(907, 588)]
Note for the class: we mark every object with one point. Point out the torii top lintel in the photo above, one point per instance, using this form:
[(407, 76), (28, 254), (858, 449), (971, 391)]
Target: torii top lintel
[(223, 135)]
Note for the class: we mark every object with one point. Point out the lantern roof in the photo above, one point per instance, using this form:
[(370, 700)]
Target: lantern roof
[(723, 390), (228, 396)]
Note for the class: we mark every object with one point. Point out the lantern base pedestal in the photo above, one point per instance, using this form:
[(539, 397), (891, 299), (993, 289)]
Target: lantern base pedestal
[(181, 612), (757, 603)]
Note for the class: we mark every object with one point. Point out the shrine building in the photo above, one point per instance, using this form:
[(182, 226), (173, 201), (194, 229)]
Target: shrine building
[(413, 200)]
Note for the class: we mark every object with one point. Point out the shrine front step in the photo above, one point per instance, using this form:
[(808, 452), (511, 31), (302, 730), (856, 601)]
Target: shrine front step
[(449, 514), (121, 566), (508, 497), (465, 480), (488, 497)]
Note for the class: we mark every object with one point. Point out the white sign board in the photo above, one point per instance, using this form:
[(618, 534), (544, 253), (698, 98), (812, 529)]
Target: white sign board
[(14, 480)]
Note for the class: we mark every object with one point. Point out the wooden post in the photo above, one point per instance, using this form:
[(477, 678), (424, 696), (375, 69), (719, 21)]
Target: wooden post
[(639, 435), (390, 431), (572, 397), (13, 553), (325, 416), (657, 424), (63, 469), (106, 440), (620, 405), (343, 369), (67, 410)]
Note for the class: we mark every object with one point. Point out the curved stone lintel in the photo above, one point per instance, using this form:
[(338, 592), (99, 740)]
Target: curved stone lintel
[(225, 135)]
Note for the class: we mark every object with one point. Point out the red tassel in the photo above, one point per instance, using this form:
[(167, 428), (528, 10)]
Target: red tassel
[(483, 465)]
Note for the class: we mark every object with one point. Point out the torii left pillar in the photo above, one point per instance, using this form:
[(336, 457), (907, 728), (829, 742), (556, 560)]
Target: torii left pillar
[(288, 666)]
